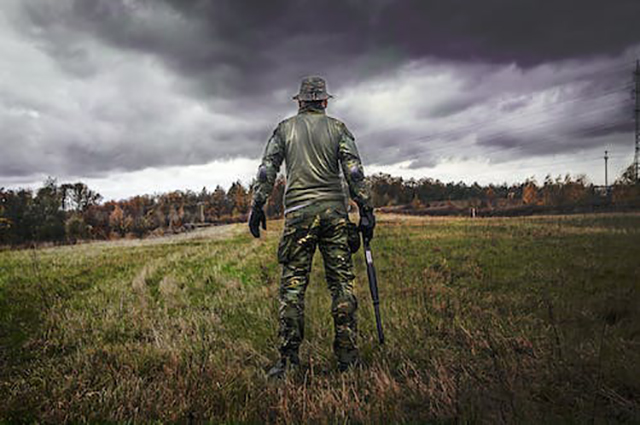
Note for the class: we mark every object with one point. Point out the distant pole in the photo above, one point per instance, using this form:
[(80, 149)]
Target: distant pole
[(606, 171), (201, 212), (636, 76)]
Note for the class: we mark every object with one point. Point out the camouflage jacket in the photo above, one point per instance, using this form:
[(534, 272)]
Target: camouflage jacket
[(316, 149)]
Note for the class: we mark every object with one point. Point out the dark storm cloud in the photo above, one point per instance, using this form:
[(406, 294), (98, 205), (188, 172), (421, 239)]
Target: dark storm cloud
[(576, 124), (506, 114), (130, 68), (250, 47), (626, 126)]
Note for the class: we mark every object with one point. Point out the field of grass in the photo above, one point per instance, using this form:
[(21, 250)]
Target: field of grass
[(487, 320)]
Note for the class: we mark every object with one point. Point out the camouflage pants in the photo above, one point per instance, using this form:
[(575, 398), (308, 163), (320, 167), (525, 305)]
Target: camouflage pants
[(323, 224)]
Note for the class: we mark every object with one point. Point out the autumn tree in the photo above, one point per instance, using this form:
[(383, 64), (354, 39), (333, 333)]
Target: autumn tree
[(219, 202), (237, 199), (626, 189), (530, 194), (118, 222)]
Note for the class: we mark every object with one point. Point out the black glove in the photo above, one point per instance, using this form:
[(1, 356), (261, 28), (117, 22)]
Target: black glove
[(256, 216), (367, 223)]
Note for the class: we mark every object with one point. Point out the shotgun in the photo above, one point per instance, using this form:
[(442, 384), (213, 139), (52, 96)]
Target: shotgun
[(373, 286)]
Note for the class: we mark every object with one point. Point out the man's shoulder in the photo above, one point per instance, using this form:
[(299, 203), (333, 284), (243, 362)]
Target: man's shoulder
[(332, 121), (335, 121), (282, 125), (287, 122), (340, 125)]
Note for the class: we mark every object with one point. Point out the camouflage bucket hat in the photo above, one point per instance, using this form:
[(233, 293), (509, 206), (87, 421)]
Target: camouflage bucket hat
[(313, 88)]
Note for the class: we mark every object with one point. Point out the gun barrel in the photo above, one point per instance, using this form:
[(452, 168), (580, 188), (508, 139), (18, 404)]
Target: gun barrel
[(373, 287)]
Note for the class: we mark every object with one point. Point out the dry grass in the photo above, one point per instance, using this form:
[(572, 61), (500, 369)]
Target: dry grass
[(488, 320)]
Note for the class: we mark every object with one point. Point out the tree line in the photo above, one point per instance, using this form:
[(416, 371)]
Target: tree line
[(67, 213), (567, 190), (71, 212)]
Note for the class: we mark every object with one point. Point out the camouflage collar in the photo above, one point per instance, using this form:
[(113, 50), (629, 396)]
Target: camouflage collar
[(310, 108)]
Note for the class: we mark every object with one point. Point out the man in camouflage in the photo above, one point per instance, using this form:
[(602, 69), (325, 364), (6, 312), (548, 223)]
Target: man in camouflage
[(316, 149)]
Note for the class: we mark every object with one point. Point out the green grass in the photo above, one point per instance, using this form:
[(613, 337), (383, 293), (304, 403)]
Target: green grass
[(491, 320)]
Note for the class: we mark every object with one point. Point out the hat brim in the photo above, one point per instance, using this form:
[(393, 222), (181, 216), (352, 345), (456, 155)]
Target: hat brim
[(309, 98)]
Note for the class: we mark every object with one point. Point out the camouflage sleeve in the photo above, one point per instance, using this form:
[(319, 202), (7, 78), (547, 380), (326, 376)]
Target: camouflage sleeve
[(271, 161), (352, 169)]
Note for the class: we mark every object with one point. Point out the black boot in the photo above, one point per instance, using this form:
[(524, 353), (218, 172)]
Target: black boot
[(348, 362), (345, 366), (283, 366)]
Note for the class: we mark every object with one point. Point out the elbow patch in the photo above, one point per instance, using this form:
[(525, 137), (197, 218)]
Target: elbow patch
[(356, 174), (262, 174)]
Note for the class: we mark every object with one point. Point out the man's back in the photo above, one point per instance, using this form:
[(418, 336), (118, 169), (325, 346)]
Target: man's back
[(315, 148), (311, 154)]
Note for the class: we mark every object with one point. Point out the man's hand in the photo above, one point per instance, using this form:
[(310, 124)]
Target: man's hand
[(257, 217), (367, 223)]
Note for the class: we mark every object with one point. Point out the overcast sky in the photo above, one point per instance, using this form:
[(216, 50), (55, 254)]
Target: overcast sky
[(135, 96)]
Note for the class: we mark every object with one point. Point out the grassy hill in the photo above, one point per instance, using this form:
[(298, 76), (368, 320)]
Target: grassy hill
[(495, 320)]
